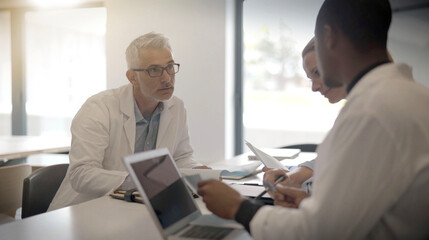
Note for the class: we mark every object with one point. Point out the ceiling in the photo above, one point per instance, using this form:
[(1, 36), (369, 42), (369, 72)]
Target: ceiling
[(42, 3), (397, 5), (405, 5)]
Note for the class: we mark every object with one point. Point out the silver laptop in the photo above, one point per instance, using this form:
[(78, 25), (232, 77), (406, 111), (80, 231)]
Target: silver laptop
[(171, 204)]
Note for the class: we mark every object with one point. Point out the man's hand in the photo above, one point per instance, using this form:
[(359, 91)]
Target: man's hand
[(288, 196), (266, 169), (295, 177), (272, 174), (219, 198)]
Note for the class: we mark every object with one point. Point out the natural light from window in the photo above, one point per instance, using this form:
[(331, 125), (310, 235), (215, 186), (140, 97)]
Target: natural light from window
[(65, 64), (5, 75), (279, 106)]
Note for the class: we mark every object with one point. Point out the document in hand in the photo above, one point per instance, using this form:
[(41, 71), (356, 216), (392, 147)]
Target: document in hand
[(236, 172), (278, 153), (266, 159)]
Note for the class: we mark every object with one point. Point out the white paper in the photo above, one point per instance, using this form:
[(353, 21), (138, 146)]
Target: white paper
[(250, 190), (236, 172), (192, 182), (204, 173), (278, 153), (266, 159), (239, 172)]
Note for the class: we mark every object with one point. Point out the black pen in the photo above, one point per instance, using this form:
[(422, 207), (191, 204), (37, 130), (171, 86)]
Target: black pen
[(252, 184), (271, 187)]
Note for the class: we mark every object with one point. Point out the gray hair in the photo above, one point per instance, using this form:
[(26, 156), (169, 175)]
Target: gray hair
[(149, 40)]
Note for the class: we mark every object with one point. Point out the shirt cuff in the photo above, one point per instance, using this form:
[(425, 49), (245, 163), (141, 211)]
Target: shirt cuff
[(246, 212), (308, 164)]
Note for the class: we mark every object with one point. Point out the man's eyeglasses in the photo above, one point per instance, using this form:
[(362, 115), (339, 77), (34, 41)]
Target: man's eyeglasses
[(171, 69)]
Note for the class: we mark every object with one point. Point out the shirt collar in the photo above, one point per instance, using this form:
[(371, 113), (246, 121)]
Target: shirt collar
[(362, 73), (139, 116), (158, 109)]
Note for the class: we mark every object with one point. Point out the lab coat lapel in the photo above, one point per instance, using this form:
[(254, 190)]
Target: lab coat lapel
[(164, 124), (129, 118)]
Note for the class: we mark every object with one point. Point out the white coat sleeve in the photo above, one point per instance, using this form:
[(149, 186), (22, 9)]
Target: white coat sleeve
[(352, 189), (90, 139), (184, 153)]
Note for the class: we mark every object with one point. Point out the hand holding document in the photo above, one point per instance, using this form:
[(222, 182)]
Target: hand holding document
[(266, 159), (271, 187)]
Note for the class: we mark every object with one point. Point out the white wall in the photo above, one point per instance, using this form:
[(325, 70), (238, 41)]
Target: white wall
[(198, 35)]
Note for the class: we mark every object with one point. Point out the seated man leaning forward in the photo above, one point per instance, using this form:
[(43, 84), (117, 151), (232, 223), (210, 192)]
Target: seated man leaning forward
[(140, 116)]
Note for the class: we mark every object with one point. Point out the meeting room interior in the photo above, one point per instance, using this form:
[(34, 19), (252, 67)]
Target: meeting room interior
[(241, 79)]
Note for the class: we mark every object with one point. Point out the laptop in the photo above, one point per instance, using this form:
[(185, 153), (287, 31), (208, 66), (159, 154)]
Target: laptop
[(170, 202)]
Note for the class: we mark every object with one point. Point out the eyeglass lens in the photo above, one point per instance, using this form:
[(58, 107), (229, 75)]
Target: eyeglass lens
[(158, 71)]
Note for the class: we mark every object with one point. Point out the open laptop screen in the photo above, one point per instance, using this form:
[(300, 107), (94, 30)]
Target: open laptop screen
[(166, 191)]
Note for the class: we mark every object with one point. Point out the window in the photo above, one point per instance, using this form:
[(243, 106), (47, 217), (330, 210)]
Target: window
[(279, 107), (5, 75), (409, 38), (65, 64)]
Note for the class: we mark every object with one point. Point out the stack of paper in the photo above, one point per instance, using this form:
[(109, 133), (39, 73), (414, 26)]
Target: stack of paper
[(236, 172)]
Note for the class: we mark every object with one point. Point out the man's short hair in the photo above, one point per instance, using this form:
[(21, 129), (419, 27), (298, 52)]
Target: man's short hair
[(150, 40), (365, 22)]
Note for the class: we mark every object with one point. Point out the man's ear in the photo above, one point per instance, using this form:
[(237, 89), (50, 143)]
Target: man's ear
[(330, 37), (131, 75)]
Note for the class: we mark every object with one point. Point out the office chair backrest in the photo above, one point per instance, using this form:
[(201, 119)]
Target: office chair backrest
[(11, 179), (306, 147), (40, 188)]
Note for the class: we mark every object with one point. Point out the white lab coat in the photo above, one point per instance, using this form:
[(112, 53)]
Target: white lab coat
[(103, 132), (372, 171)]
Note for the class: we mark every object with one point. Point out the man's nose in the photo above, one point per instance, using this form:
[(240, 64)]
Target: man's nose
[(165, 77)]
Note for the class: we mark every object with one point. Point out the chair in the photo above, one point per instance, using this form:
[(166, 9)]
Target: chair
[(306, 147), (11, 181), (40, 188)]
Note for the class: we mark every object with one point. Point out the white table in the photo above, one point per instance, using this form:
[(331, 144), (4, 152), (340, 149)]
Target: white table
[(12, 147), (41, 160), (102, 218)]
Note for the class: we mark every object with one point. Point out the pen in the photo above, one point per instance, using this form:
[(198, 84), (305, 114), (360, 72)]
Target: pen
[(252, 184), (135, 193), (271, 187)]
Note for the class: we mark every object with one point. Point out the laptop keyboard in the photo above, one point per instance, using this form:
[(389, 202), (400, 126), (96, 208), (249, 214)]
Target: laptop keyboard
[(206, 232)]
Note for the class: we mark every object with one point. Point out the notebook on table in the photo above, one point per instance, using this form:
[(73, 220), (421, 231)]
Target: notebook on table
[(170, 203)]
